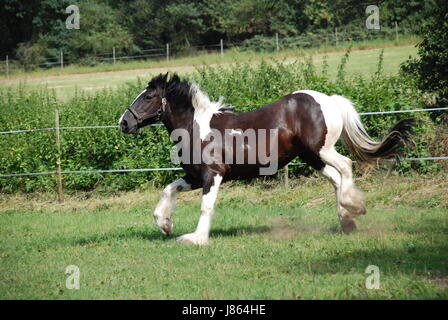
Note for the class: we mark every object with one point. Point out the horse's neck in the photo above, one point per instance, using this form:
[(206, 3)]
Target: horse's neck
[(179, 120)]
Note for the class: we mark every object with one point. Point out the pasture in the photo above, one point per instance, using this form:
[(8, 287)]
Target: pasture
[(267, 243), (68, 83)]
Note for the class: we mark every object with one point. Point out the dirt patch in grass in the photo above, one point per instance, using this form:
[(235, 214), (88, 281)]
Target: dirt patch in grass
[(441, 281), (284, 229)]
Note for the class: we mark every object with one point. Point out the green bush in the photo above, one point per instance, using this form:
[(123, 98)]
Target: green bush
[(430, 68), (246, 86), (319, 38)]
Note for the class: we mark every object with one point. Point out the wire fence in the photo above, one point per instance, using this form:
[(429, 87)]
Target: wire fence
[(159, 124), (333, 37), (176, 168)]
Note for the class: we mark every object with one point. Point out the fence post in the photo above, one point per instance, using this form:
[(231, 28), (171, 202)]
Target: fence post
[(113, 54), (396, 31), (286, 176), (222, 47), (62, 60), (58, 157), (167, 52), (390, 169), (7, 67), (276, 41), (336, 35)]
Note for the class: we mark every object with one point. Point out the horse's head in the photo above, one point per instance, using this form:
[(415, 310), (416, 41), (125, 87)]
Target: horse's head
[(146, 109)]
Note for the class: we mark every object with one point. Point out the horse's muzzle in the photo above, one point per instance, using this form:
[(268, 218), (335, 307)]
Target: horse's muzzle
[(128, 128)]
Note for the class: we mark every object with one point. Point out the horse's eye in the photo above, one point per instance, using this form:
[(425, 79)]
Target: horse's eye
[(148, 97)]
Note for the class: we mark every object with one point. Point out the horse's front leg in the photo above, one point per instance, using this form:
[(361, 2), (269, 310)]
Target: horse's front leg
[(210, 191), (165, 207)]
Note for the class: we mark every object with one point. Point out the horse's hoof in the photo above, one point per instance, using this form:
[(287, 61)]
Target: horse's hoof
[(362, 210), (192, 239), (164, 224), (355, 210), (348, 225), (166, 229)]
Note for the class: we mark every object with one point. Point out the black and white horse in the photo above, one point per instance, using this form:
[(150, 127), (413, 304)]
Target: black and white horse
[(307, 125)]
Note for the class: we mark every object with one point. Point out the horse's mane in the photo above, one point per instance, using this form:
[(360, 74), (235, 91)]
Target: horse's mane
[(176, 89)]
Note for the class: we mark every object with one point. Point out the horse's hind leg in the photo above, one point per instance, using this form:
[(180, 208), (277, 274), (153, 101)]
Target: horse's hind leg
[(348, 223), (350, 197), (165, 207)]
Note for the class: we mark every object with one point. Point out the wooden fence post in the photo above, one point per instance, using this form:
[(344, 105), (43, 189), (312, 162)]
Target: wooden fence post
[(113, 54), (58, 157), (62, 60), (286, 176), (222, 47), (390, 168), (167, 52), (396, 31), (7, 66), (276, 41), (336, 35)]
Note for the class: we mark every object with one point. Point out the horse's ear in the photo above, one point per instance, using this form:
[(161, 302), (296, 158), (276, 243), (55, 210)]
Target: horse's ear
[(174, 79), (165, 77)]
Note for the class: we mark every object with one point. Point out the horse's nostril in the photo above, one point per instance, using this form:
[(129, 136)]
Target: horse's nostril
[(124, 123)]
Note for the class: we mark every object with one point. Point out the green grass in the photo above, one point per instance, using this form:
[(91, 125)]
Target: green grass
[(363, 60), (266, 244)]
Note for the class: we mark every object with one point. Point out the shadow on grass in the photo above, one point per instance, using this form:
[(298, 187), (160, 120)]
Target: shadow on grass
[(121, 234), (239, 231), (418, 257), (278, 230), (425, 252), (156, 235), (151, 234)]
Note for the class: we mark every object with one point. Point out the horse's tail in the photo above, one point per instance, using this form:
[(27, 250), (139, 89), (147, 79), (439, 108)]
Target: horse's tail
[(361, 145)]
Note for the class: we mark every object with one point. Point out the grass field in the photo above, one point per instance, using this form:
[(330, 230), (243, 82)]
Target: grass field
[(266, 244), (363, 61)]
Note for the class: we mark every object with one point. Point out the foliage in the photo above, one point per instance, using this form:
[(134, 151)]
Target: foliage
[(319, 38), (136, 24), (430, 68), (29, 55), (250, 17), (99, 32)]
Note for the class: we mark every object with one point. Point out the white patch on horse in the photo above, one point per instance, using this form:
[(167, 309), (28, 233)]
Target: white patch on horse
[(204, 109), (332, 116), (165, 207), (144, 90), (121, 118), (200, 236), (349, 196), (208, 207)]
